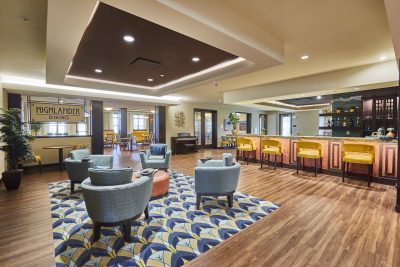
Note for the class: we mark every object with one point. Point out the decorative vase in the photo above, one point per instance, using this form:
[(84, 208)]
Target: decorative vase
[(235, 131), (390, 133), (338, 111), (352, 110)]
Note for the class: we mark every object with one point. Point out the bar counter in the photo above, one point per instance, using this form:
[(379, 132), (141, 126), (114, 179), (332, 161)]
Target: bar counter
[(385, 166)]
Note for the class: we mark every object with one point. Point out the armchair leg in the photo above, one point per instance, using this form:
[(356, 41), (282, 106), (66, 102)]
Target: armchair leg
[(315, 167), (275, 162), (262, 159), (237, 155), (269, 160), (146, 212), (230, 200), (198, 200), (370, 174), (72, 187), (298, 165), (127, 231), (96, 231), (320, 164)]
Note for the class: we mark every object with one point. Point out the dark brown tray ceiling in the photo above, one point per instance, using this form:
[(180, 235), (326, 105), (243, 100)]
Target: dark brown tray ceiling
[(156, 50)]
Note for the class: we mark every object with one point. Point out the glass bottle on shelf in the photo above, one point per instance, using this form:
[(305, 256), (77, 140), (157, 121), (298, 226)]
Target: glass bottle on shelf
[(344, 121), (351, 122), (329, 123)]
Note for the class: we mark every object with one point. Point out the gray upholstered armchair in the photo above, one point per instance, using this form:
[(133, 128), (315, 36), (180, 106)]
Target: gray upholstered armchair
[(80, 161), (217, 178), (157, 157), (112, 198)]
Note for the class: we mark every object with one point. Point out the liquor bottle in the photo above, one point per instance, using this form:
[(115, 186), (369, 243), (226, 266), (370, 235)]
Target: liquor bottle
[(329, 123), (344, 121), (351, 122)]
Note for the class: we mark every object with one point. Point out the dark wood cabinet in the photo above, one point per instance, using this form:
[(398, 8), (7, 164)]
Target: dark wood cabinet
[(379, 112)]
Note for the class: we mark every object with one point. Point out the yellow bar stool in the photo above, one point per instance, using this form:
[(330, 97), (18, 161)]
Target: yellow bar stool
[(360, 154), (271, 147), (245, 146), (309, 150)]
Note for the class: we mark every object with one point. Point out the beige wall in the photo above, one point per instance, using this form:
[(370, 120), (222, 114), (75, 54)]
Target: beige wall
[(2, 100), (51, 155), (307, 123), (222, 113)]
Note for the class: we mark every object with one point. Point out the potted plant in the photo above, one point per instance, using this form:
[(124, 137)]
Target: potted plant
[(339, 109), (352, 109), (36, 126), (16, 144), (234, 119)]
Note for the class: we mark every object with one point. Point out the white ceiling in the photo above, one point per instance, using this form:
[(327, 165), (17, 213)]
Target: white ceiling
[(337, 35)]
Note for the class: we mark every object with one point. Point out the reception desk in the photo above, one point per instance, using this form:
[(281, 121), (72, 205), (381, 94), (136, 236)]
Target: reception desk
[(385, 166)]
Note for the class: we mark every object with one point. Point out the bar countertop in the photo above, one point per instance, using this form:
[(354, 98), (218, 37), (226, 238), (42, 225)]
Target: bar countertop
[(332, 138)]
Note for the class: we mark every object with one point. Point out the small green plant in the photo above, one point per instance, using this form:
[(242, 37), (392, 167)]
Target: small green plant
[(36, 126), (234, 119), (15, 140)]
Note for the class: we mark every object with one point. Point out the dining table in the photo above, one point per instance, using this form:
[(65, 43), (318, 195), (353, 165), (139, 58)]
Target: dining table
[(60, 154)]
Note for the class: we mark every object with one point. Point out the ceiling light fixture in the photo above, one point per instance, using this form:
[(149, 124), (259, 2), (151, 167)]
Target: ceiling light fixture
[(319, 97), (304, 57), (382, 58), (98, 70), (303, 95), (108, 109), (129, 38), (195, 59), (153, 111), (150, 79), (161, 75)]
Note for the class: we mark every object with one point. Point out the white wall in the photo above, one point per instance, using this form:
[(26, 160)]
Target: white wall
[(222, 113)]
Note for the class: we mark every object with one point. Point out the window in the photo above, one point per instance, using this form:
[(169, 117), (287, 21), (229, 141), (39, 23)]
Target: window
[(115, 122), (81, 130), (138, 122), (57, 128)]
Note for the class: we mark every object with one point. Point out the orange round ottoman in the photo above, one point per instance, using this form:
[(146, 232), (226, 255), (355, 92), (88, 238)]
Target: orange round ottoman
[(160, 185)]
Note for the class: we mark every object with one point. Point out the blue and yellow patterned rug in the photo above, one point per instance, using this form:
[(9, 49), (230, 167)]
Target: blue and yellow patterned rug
[(175, 233)]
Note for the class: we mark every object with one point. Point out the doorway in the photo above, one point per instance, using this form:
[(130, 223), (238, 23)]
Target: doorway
[(205, 122), (285, 123)]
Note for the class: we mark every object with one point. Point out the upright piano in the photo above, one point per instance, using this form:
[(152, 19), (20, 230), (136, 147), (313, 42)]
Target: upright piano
[(183, 143)]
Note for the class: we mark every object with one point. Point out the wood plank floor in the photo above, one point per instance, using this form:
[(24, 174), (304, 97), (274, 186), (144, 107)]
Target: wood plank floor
[(322, 222)]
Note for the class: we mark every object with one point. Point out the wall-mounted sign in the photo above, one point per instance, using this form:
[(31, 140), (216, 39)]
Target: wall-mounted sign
[(56, 112)]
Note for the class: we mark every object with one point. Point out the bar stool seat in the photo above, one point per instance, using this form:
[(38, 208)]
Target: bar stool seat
[(246, 146), (271, 147), (359, 154), (310, 150)]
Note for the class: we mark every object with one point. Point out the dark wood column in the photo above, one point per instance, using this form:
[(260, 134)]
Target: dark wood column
[(123, 122), (97, 127), (398, 149), (14, 101), (248, 121), (160, 124)]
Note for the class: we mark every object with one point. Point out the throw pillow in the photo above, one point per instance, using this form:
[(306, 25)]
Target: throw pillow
[(158, 149), (228, 159)]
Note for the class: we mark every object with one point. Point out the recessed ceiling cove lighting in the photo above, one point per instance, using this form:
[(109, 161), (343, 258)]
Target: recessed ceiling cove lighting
[(319, 97), (195, 59), (98, 70), (161, 75), (150, 79), (304, 57), (382, 58), (129, 38)]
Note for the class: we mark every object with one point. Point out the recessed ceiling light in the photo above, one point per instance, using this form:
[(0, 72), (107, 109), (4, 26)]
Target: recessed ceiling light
[(382, 58), (98, 70), (153, 111), (61, 101), (304, 57), (195, 59), (25, 19), (150, 79), (161, 75), (129, 38), (319, 97), (108, 109)]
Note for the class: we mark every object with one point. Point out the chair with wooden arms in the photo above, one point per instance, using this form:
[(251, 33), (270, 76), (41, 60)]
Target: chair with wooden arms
[(271, 147), (309, 150), (359, 154)]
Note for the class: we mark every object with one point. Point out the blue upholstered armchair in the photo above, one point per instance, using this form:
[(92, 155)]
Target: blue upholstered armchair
[(112, 198), (80, 161), (217, 178), (157, 157)]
